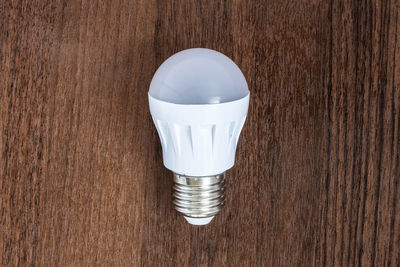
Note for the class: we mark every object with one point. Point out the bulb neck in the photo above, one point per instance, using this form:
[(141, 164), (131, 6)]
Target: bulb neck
[(199, 196)]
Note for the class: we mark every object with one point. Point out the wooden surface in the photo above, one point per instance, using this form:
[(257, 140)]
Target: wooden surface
[(316, 180)]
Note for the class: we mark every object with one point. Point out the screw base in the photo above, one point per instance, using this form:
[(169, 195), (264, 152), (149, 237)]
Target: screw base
[(199, 197)]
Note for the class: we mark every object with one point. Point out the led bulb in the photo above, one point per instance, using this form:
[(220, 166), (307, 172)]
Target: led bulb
[(199, 100)]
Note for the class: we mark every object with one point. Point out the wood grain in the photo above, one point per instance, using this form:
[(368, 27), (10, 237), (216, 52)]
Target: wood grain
[(316, 179), (359, 219)]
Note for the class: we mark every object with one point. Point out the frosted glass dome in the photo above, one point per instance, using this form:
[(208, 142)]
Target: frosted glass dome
[(198, 76)]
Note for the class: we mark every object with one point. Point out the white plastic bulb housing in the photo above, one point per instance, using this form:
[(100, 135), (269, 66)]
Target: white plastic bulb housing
[(198, 100)]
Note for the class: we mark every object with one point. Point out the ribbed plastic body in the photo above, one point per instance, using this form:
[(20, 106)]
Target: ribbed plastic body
[(199, 140)]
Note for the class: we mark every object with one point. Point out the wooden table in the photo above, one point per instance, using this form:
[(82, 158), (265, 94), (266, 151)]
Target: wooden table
[(316, 179)]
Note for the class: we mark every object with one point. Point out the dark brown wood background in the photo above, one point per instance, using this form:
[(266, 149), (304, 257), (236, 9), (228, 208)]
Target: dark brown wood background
[(316, 180)]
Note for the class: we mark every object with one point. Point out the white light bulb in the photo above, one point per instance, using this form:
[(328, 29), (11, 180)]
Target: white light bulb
[(199, 100)]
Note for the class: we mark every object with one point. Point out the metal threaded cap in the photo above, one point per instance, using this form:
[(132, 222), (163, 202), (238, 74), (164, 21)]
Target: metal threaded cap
[(199, 196)]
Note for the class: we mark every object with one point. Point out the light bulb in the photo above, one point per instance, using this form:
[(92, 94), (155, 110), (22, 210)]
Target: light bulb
[(198, 100)]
